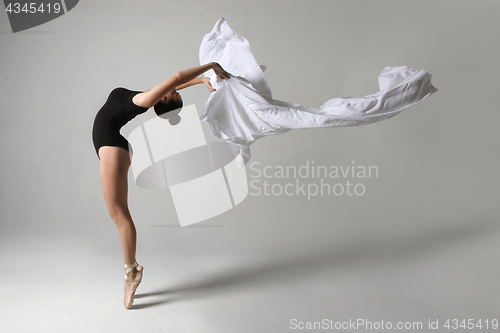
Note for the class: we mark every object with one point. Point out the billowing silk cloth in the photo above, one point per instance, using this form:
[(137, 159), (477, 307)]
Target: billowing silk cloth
[(242, 109)]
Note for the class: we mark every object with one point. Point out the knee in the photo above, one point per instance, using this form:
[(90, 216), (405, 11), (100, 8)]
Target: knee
[(118, 214)]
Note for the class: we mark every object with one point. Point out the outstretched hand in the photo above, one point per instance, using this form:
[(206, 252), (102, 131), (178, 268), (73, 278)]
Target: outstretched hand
[(221, 73), (206, 81)]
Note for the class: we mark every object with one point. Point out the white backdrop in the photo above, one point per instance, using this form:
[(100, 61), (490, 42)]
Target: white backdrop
[(421, 243)]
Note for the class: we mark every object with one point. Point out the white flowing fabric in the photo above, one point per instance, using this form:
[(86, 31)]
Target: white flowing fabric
[(242, 109)]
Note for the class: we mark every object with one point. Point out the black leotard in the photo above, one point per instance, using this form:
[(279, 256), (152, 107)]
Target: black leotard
[(114, 114)]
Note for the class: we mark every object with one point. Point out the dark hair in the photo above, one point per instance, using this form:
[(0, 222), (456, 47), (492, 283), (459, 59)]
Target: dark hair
[(162, 107)]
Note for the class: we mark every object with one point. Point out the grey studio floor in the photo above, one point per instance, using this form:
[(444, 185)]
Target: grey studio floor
[(420, 245)]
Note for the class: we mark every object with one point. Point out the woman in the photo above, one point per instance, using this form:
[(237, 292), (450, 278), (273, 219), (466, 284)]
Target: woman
[(112, 150)]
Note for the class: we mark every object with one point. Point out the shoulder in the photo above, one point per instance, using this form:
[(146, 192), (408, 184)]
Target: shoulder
[(136, 97), (118, 91)]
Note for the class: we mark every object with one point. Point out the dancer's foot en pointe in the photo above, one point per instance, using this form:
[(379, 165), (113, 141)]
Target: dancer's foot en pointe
[(133, 277)]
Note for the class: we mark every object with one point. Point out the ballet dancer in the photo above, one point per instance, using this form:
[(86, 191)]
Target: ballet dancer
[(112, 150)]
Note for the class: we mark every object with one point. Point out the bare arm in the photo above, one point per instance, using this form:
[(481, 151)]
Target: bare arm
[(198, 80), (190, 83), (150, 97)]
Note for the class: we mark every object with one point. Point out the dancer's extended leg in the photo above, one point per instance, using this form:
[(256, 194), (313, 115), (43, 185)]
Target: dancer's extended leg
[(114, 165)]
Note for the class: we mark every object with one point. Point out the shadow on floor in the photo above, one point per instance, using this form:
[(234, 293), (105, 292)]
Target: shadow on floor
[(392, 250)]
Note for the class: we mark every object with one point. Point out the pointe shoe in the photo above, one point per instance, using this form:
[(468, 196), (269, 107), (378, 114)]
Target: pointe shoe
[(131, 284)]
